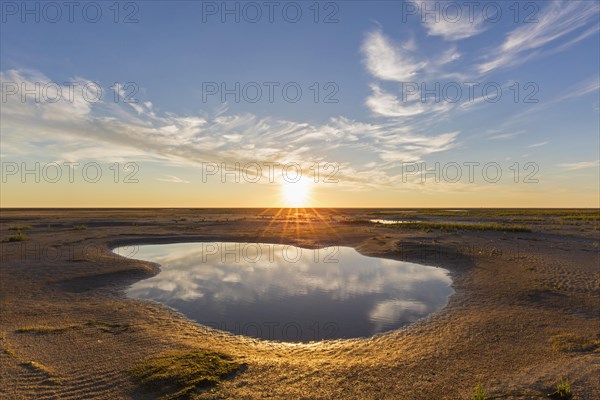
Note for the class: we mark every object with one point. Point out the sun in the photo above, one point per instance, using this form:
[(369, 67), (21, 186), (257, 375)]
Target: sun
[(296, 194)]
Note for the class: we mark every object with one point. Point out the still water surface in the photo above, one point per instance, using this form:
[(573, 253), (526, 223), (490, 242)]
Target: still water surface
[(288, 293)]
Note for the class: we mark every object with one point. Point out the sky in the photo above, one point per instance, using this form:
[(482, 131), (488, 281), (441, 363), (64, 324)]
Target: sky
[(300, 104)]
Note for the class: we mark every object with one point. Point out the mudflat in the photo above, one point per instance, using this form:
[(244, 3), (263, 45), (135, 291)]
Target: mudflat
[(525, 312)]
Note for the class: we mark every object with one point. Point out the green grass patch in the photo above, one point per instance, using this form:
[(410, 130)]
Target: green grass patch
[(80, 227), (539, 212), (527, 219), (391, 213), (451, 226), (356, 221), (479, 393), (582, 217), (182, 374), (45, 330), (582, 213), (19, 227), (570, 342), (17, 237), (563, 390)]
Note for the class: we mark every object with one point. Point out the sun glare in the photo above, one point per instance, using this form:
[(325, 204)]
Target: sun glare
[(296, 194)]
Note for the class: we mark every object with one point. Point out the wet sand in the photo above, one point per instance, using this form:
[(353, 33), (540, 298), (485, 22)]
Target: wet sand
[(515, 294)]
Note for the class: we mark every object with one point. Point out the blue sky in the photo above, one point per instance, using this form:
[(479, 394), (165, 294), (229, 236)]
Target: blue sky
[(366, 58)]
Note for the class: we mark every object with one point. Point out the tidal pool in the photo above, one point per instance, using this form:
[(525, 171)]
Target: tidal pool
[(288, 293)]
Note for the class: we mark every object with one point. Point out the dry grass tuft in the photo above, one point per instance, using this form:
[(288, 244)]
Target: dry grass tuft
[(570, 342), (37, 367)]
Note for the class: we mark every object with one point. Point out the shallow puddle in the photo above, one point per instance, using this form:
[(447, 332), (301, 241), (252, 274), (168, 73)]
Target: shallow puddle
[(288, 293)]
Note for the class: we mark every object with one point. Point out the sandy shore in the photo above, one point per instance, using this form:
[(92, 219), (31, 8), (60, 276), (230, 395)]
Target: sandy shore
[(519, 295)]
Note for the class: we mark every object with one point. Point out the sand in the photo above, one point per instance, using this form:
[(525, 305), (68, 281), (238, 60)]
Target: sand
[(515, 292)]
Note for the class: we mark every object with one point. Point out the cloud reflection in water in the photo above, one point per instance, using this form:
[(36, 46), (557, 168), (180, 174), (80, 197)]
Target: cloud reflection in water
[(280, 287)]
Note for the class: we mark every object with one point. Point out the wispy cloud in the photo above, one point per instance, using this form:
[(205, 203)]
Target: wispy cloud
[(414, 147), (585, 87), (109, 131), (506, 135), (540, 144), (449, 56), (581, 89), (556, 20), (171, 179), (457, 29), (385, 104), (580, 165), (389, 61)]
